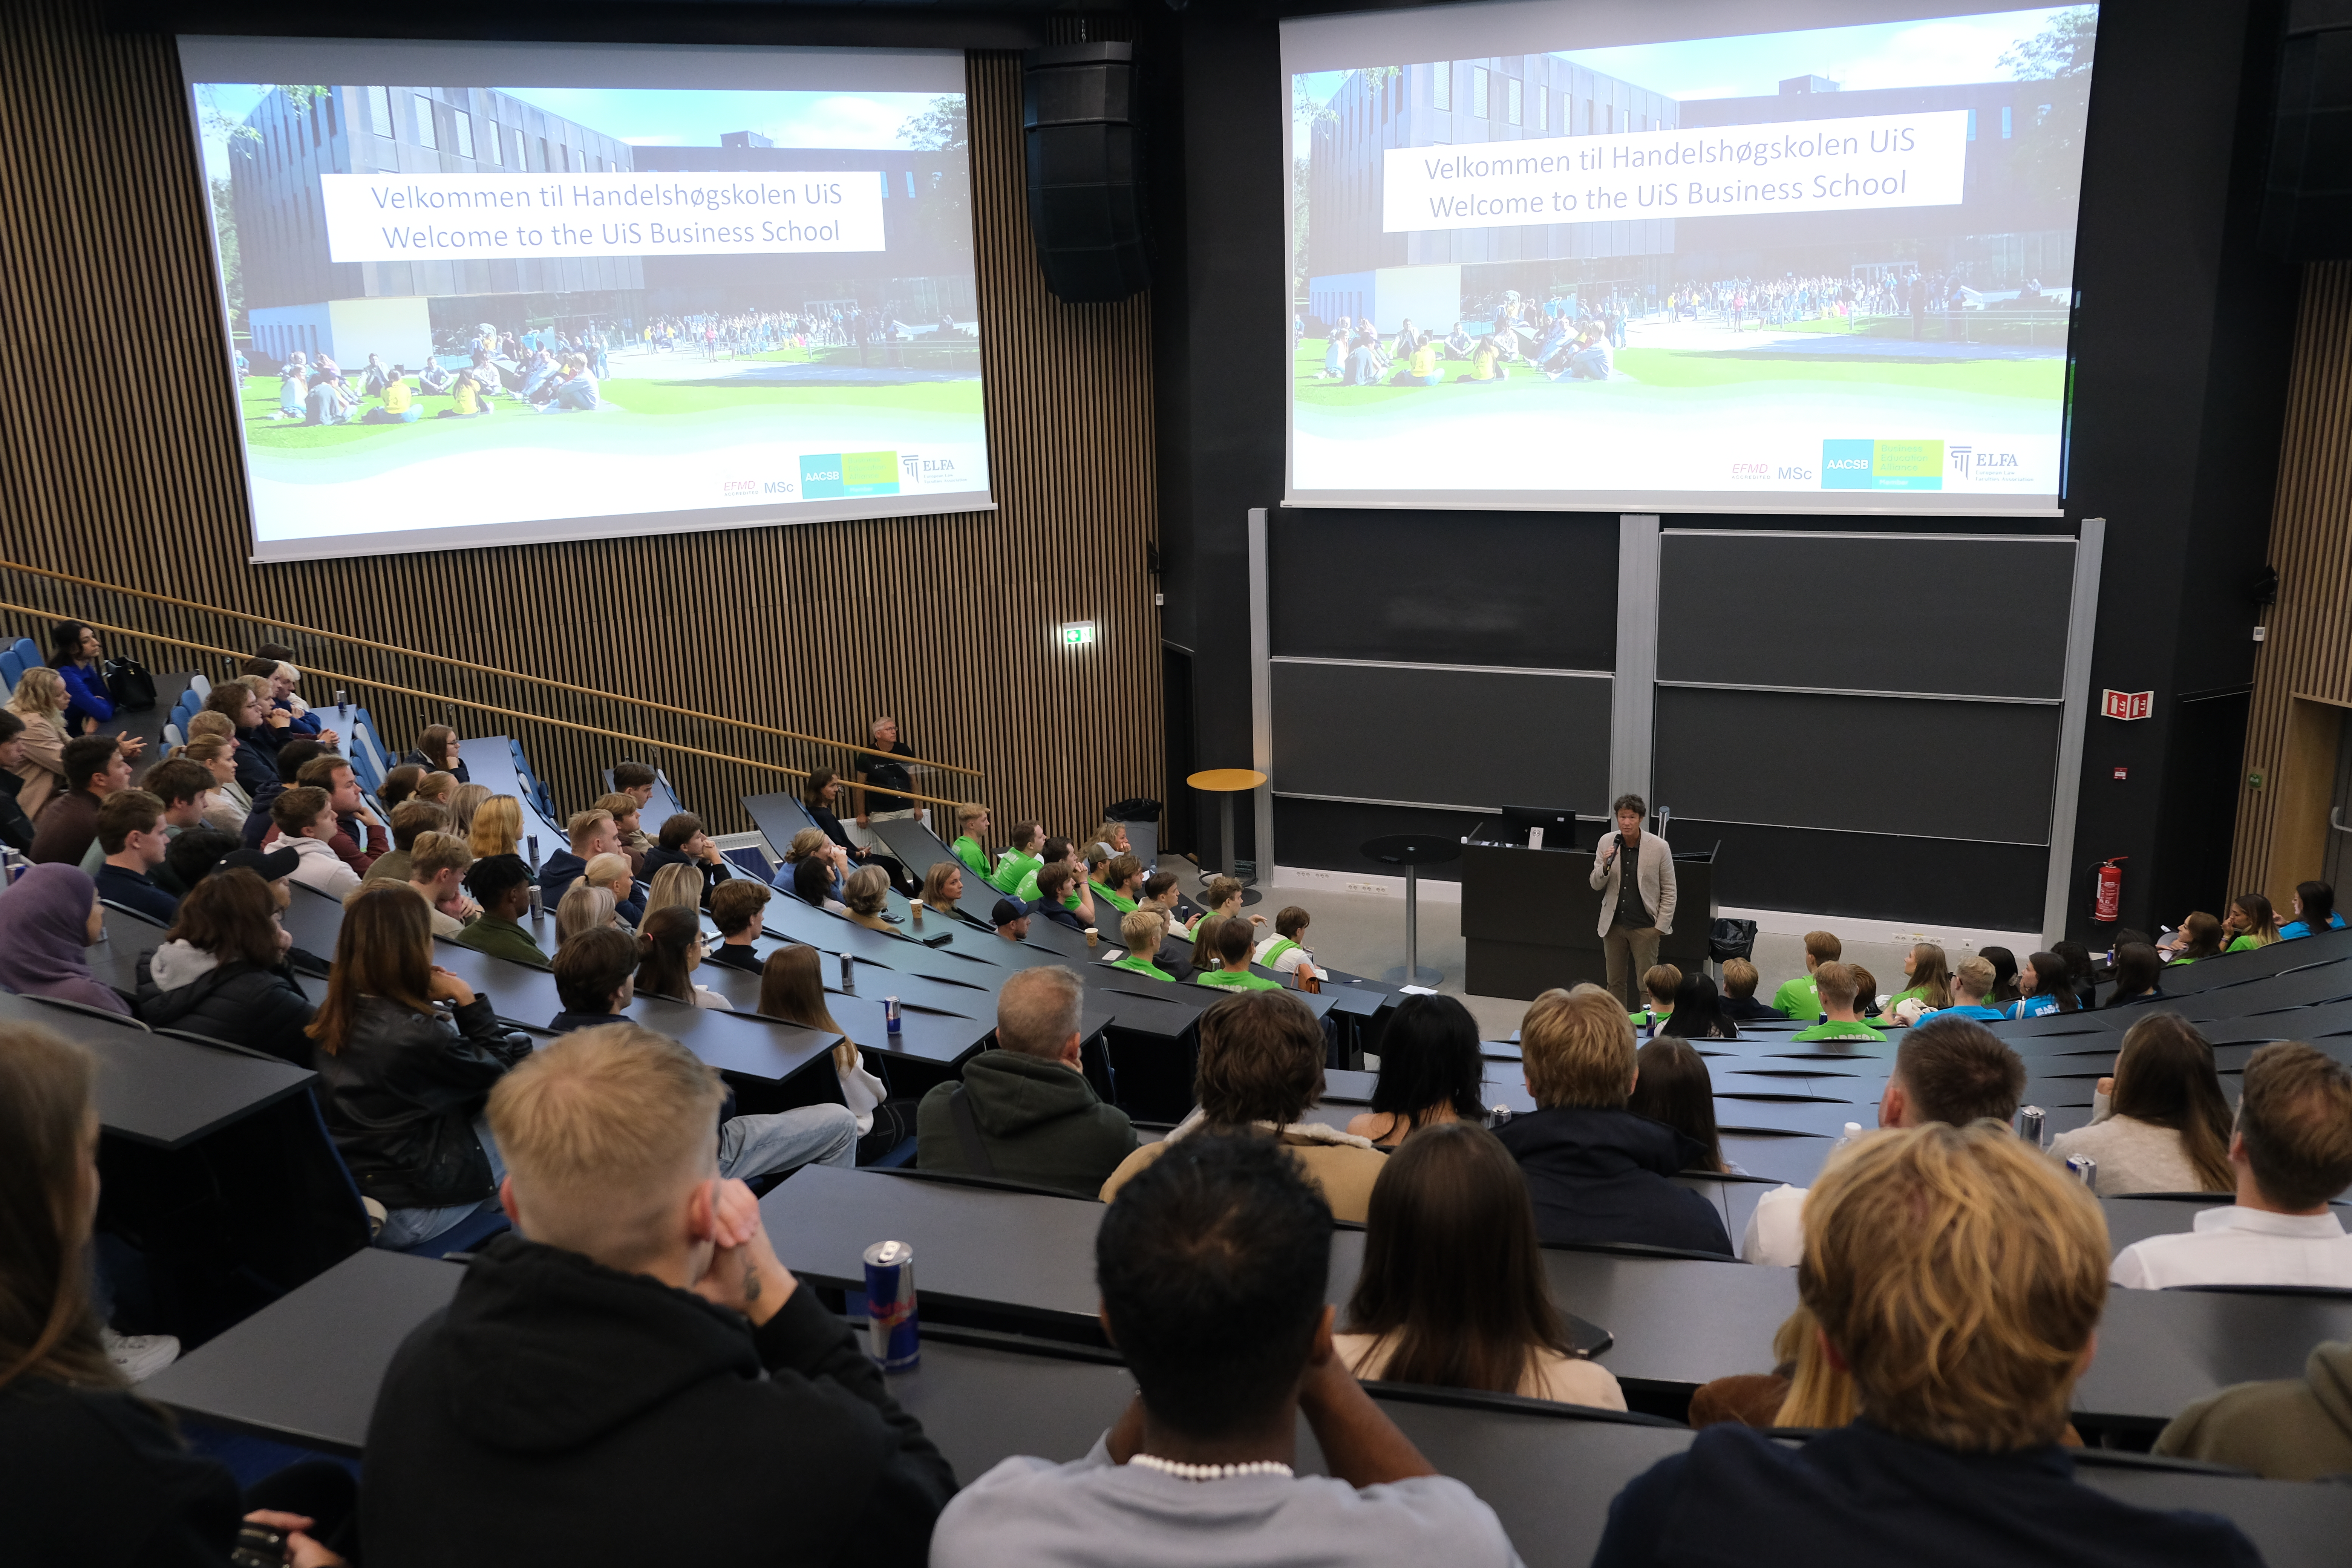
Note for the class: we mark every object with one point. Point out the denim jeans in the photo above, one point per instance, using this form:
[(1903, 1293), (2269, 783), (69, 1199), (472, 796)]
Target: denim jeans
[(784, 1140), (407, 1227)]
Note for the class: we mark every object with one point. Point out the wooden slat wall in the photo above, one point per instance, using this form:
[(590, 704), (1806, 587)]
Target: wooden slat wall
[(118, 462), (2308, 649)]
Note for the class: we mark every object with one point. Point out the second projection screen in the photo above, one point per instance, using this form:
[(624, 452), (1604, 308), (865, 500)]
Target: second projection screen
[(1612, 255)]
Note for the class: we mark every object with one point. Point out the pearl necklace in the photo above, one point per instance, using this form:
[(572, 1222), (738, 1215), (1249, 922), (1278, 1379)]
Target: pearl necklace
[(1184, 1472)]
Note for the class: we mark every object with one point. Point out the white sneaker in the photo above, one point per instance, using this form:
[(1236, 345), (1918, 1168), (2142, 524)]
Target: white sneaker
[(139, 1356)]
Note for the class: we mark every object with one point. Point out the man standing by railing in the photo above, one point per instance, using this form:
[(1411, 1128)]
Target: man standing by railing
[(881, 773)]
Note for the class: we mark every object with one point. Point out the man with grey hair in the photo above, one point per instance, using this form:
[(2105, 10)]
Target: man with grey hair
[(1024, 1111)]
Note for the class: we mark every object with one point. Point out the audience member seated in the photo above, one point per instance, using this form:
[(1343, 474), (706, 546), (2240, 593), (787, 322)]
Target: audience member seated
[(810, 843), (1011, 920), (75, 655), (637, 780), (402, 1081), (2139, 974), (2043, 986), (1120, 883), (222, 971), (411, 820), (628, 815), (1283, 951), (683, 842), (791, 987), (1260, 1067), (633, 1345), (1213, 1268), (1023, 1110), (1221, 899), (1699, 1013), (227, 806), (2296, 1430), (291, 758), (2251, 923), (2160, 1124), (1739, 1004), (437, 751), (1597, 1171), (1837, 986), (359, 839), (95, 768), (2004, 975), (17, 829), (1659, 983), (611, 872), (943, 887), (1672, 1085), (1956, 1274), (735, 908), (1973, 981), (1054, 885), (1952, 1070), (399, 786), (38, 706), (306, 823), (1020, 857), (584, 907), (194, 854), (1865, 995), (1228, 945), (96, 1474), (2315, 910), (2080, 973), (130, 832), (437, 867), (1431, 1071), (669, 950), (49, 918), (592, 832), (813, 884), (1453, 1292), (1142, 931), (1801, 998), (498, 827), (1927, 980), (1056, 851), (2201, 936), (971, 845), (501, 885), (1802, 1390), (819, 797), (863, 896), (596, 979), (2291, 1154), (257, 742)]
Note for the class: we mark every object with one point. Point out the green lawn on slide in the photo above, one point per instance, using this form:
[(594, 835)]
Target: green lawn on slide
[(2040, 380), (637, 395)]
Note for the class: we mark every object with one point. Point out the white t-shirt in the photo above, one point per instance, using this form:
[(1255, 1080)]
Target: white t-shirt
[(1034, 1513), (1776, 1231), (2234, 1245)]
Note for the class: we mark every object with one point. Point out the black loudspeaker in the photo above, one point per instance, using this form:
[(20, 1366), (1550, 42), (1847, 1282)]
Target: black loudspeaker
[(2308, 197), (1086, 197)]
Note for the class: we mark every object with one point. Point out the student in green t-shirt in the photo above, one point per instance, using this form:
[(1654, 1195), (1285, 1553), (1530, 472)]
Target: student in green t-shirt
[(1020, 859), (1056, 852), (1839, 985), (1227, 944), (1928, 976), (1141, 929), (2251, 923), (971, 845), (1800, 998), (1122, 883), (1661, 981)]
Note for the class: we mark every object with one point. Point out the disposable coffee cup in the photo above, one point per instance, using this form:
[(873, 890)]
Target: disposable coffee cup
[(1093, 936)]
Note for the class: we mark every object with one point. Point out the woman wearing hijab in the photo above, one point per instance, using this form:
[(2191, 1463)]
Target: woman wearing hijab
[(47, 918)]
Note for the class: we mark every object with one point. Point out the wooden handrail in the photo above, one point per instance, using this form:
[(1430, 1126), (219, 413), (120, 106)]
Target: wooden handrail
[(438, 658), (464, 702)]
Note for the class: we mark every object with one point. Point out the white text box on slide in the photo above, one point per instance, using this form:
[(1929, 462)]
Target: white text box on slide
[(458, 217), (1795, 166)]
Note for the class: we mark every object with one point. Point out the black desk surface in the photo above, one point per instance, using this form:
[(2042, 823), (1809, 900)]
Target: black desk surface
[(162, 1091), (305, 1369)]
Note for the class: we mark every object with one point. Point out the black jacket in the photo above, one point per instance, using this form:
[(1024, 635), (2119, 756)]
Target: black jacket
[(735, 955), (257, 762), (244, 1003), (561, 1412), (561, 870), (136, 891), (1600, 1176), (98, 1476), (401, 1094), (15, 827), (1746, 1009), (712, 872)]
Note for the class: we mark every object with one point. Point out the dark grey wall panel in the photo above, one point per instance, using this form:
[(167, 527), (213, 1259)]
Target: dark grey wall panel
[(1440, 737), (1535, 590), (1861, 764), (1869, 875), (1330, 835), (1985, 617)]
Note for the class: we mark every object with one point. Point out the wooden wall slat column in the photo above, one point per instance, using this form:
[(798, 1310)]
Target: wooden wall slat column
[(118, 462), (2307, 652)]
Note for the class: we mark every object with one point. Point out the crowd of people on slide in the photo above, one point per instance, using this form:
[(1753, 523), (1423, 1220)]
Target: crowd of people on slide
[(633, 1342)]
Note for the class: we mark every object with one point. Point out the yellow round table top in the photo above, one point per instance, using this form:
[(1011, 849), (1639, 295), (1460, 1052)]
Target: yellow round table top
[(1224, 779)]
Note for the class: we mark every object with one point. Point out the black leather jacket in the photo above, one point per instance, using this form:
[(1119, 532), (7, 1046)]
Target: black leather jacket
[(401, 1094), (243, 1004)]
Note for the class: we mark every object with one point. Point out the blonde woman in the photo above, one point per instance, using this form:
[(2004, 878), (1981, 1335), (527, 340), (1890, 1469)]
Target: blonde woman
[(464, 801), (612, 872), (676, 886), (583, 906), (497, 823), (225, 805), (865, 894), (810, 844), (40, 701), (441, 789)]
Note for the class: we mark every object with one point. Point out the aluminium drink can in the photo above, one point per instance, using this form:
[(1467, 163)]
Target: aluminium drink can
[(2029, 1124), (894, 1332), (2083, 1169), (890, 1023), (848, 977)]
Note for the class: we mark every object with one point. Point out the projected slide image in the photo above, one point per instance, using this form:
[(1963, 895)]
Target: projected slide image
[(1809, 270), (491, 313)]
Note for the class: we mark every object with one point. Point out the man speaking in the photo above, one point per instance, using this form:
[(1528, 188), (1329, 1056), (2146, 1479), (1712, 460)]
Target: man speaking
[(1636, 874)]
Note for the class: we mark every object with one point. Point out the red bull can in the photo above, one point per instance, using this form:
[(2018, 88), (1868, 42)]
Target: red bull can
[(890, 1023), (894, 1332)]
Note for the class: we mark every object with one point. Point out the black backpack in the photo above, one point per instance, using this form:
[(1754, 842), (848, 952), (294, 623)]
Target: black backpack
[(131, 684)]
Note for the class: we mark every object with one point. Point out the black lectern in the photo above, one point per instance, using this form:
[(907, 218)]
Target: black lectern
[(1530, 920)]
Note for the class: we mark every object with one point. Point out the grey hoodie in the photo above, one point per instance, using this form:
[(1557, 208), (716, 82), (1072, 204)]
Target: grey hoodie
[(2297, 1429)]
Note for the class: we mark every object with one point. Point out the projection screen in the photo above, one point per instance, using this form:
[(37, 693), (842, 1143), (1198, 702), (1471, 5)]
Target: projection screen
[(485, 293), (1610, 254)]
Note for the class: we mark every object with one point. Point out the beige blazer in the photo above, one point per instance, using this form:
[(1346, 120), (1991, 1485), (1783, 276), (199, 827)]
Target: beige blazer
[(43, 769), (1656, 874)]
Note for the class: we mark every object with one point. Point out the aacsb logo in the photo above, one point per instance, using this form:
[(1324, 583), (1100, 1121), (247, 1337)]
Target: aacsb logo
[(827, 474), (1882, 465)]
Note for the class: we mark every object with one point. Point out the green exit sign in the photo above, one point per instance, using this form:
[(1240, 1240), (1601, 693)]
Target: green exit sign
[(1078, 634)]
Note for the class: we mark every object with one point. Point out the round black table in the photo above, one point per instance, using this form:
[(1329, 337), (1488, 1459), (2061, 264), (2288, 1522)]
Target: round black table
[(1413, 851)]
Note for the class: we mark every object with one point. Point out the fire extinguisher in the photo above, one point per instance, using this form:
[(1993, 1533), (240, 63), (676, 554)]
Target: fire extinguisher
[(2109, 905)]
